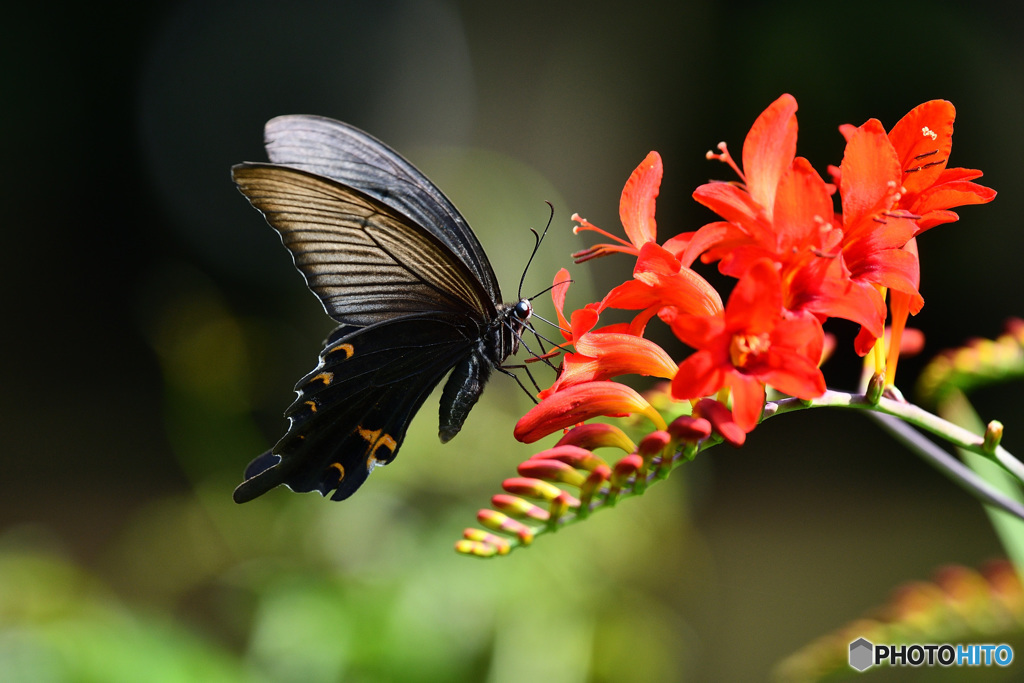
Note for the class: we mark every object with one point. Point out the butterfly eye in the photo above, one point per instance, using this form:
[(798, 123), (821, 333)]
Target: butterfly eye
[(523, 309)]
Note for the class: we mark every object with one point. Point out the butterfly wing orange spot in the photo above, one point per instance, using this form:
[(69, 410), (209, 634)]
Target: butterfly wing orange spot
[(312, 405), (347, 349), (325, 377), (370, 435), (341, 470), (377, 438)]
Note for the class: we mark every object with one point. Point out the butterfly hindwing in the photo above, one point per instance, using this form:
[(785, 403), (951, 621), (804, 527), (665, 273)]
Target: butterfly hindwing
[(356, 159), (353, 410)]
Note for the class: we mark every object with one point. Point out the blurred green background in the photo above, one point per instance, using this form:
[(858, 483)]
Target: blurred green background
[(155, 328)]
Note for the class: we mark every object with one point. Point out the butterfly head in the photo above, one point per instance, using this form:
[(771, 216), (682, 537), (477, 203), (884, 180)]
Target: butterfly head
[(523, 310)]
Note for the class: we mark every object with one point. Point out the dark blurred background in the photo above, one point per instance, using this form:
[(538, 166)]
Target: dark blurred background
[(155, 328)]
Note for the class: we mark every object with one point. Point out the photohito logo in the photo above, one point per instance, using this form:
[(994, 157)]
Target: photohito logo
[(864, 654)]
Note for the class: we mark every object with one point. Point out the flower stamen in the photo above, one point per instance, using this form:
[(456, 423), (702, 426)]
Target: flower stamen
[(924, 166), (725, 157), (745, 349), (584, 224)]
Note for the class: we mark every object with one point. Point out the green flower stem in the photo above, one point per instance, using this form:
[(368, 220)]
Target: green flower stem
[(884, 413), (957, 408), (950, 466), (908, 412)]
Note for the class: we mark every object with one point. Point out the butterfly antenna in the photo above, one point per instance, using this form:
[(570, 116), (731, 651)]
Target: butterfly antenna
[(537, 239), (549, 288)]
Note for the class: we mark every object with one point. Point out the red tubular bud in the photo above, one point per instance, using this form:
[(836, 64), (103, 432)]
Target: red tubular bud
[(577, 457), (531, 488), (551, 470), (722, 420), (654, 443), (690, 429), (492, 519), (515, 506), (597, 435)]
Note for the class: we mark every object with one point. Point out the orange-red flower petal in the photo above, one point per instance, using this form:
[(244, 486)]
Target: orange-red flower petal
[(769, 150), (579, 403), (636, 206)]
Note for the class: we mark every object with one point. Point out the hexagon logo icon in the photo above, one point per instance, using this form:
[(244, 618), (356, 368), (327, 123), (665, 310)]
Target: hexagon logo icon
[(861, 654)]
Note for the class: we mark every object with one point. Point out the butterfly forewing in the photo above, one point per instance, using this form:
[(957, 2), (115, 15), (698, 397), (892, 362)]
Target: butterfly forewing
[(364, 261), (351, 157)]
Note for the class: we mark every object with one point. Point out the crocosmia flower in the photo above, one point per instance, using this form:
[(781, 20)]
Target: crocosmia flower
[(750, 345), (801, 249), (921, 141)]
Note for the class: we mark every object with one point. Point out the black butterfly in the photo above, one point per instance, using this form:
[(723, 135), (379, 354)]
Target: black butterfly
[(393, 261)]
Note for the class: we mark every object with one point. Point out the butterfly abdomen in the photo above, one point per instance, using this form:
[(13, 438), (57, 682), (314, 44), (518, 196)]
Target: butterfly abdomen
[(464, 386), (461, 392)]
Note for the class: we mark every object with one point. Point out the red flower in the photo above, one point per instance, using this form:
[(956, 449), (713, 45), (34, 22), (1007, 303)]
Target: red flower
[(875, 230), (783, 211), (750, 345), (921, 142), (892, 187), (748, 209), (661, 282)]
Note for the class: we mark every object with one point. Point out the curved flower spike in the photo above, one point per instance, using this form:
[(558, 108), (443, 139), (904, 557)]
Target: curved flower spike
[(797, 263)]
